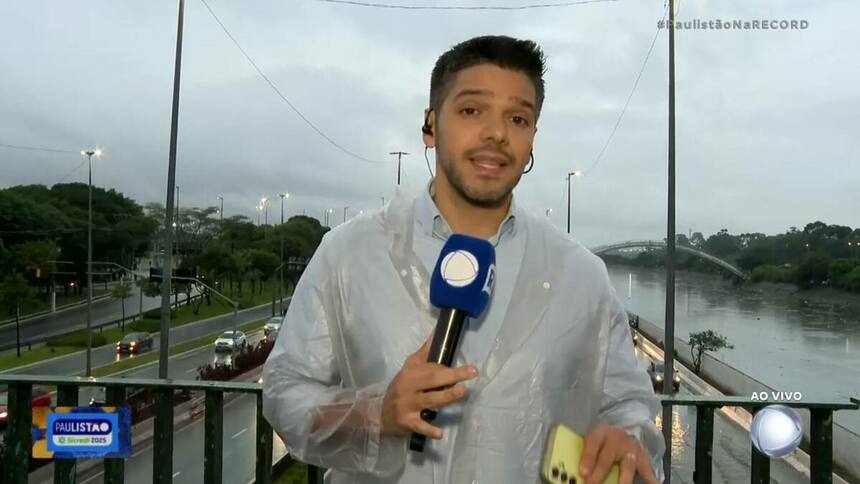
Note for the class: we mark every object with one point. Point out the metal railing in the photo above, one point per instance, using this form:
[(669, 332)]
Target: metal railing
[(821, 431), (19, 445), (18, 431)]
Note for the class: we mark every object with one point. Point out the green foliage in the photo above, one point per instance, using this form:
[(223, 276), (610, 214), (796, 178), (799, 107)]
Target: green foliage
[(813, 269), (77, 339), (703, 341), (121, 290), (15, 293), (146, 325), (776, 274)]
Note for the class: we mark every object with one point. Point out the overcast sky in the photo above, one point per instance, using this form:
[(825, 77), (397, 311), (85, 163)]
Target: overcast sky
[(767, 121)]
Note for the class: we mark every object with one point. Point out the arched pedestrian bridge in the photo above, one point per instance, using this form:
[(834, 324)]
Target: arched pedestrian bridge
[(659, 244)]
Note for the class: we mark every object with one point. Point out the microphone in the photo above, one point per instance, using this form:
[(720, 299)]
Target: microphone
[(460, 287)]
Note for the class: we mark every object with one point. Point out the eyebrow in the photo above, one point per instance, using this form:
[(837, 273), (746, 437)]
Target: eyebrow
[(483, 92)]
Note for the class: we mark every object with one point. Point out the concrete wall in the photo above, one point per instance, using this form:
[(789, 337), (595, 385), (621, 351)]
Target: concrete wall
[(846, 443)]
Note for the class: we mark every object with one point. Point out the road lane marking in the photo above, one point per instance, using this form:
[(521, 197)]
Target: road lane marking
[(177, 473), (239, 433)]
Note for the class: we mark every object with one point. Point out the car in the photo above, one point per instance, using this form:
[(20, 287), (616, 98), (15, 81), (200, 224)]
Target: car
[(272, 327), (655, 370), (41, 398), (230, 340), (134, 343)]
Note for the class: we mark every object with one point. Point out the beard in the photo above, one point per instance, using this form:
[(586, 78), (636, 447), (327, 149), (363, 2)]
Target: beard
[(485, 198)]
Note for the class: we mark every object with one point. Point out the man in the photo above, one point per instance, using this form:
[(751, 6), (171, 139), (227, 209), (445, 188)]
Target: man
[(346, 381)]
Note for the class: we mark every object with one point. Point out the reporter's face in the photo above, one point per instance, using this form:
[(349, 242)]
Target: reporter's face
[(484, 133)]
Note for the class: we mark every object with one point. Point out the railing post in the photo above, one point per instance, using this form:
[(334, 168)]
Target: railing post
[(821, 455), (214, 437), (17, 455), (759, 463), (264, 445), (315, 474), (65, 470), (115, 468), (162, 458), (704, 445)]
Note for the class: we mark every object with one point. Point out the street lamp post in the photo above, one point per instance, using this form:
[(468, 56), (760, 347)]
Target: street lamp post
[(89, 154), (570, 195), (221, 211), (345, 209), (283, 197), (548, 211)]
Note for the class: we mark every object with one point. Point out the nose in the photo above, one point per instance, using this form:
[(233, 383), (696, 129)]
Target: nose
[(495, 129)]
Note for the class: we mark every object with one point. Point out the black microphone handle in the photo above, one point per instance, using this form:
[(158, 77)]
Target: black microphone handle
[(443, 348)]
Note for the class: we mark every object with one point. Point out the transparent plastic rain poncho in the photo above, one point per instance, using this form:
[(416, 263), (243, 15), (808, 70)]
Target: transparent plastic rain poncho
[(563, 354)]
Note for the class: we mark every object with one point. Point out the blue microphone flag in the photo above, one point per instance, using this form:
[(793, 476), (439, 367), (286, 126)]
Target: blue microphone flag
[(464, 275)]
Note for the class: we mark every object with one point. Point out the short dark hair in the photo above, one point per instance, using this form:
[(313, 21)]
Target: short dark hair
[(506, 52)]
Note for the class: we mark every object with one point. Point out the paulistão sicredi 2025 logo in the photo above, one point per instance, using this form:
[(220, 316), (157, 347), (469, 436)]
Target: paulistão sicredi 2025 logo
[(82, 432)]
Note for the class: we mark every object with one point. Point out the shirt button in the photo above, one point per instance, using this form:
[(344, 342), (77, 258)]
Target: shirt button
[(546, 285), (403, 273)]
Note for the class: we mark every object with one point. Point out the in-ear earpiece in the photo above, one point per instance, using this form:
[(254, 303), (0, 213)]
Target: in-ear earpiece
[(427, 129)]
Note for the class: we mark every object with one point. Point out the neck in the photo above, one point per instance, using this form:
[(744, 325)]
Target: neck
[(466, 218)]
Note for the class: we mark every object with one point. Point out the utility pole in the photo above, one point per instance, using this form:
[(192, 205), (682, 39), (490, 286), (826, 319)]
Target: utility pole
[(383, 201), (89, 154), (669, 325), (162, 459), (283, 196), (345, 209), (221, 211), (399, 155)]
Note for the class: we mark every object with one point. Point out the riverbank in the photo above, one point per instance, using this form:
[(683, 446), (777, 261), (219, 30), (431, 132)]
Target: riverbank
[(818, 295)]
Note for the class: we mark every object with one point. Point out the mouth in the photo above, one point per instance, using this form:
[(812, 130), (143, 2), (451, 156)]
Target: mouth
[(488, 164)]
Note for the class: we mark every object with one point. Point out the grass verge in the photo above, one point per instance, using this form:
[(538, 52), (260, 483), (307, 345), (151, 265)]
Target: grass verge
[(296, 474)]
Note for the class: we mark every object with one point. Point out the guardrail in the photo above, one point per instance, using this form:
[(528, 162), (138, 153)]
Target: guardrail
[(19, 434)]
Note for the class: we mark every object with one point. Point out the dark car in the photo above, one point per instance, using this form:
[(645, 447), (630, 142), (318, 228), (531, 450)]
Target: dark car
[(655, 371), (134, 343), (41, 398)]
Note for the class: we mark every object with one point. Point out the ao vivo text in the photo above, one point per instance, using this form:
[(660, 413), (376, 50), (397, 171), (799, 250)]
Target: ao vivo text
[(777, 396)]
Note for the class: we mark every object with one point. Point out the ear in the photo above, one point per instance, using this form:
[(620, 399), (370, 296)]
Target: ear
[(429, 137)]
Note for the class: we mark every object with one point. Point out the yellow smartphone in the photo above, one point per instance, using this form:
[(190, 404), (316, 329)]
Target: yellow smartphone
[(561, 458)]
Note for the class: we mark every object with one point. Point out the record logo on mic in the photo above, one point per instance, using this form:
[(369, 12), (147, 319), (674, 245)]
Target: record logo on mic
[(459, 268)]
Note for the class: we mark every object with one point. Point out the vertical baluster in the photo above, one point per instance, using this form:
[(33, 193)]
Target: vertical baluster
[(114, 468), (162, 458), (821, 431), (65, 470), (704, 445), (264, 445), (759, 463), (214, 437), (18, 443)]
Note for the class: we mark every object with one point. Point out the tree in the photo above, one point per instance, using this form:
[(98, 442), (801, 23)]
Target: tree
[(121, 291), (14, 293), (705, 341)]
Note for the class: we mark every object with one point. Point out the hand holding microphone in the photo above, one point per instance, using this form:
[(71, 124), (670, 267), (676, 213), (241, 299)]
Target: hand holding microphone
[(417, 387), (460, 287)]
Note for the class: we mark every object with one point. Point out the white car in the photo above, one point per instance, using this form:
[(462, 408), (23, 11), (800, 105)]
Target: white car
[(273, 325), (230, 340)]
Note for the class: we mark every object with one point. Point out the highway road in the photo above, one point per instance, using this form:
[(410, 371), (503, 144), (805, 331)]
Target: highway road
[(75, 363), (63, 321), (239, 431)]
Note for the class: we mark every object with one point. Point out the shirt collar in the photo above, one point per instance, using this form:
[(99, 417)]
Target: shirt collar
[(433, 224)]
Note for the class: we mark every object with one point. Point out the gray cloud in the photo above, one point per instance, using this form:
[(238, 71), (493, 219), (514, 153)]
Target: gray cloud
[(766, 120)]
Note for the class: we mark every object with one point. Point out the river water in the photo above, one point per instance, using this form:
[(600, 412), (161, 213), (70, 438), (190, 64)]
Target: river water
[(782, 340)]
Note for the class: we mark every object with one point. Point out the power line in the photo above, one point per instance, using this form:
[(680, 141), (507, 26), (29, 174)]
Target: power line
[(70, 173), (461, 7), (280, 94), (37, 148), (626, 103)]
